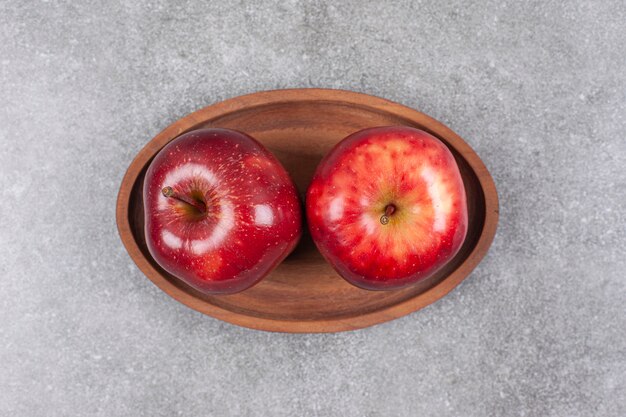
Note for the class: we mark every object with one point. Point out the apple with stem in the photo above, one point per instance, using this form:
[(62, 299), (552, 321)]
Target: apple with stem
[(386, 207), (220, 210)]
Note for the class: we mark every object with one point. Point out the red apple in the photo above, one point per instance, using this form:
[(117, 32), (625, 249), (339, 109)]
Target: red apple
[(386, 207), (220, 210)]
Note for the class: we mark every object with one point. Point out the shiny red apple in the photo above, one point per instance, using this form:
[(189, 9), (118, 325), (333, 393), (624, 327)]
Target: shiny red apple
[(220, 210), (386, 207)]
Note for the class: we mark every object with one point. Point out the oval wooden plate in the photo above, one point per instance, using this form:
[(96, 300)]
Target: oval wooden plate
[(304, 294)]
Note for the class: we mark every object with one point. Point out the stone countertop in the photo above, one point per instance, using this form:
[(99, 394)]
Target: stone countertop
[(538, 89)]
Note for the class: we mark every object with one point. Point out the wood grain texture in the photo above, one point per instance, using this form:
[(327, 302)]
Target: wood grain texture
[(304, 294)]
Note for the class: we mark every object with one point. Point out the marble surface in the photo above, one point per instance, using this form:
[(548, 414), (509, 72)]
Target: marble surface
[(537, 88)]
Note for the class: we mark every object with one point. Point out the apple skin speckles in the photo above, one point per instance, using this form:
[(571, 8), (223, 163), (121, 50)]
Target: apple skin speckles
[(252, 219), (398, 170)]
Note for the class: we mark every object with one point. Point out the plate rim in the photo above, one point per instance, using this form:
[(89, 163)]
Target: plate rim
[(261, 98)]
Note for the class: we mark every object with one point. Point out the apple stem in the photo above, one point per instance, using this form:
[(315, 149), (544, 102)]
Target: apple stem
[(199, 205), (389, 210)]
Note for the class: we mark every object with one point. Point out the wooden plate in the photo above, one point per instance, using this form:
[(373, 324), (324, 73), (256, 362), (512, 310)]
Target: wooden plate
[(304, 294)]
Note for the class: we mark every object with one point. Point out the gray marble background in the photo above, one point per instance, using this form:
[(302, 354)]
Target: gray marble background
[(537, 88)]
